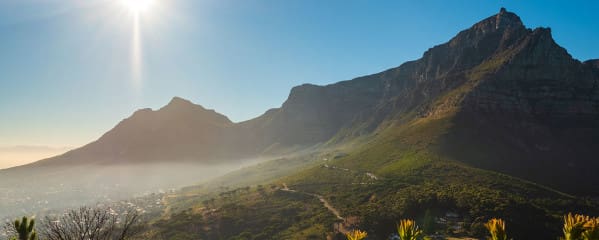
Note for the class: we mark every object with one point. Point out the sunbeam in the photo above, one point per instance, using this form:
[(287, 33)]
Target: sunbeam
[(136, 53)]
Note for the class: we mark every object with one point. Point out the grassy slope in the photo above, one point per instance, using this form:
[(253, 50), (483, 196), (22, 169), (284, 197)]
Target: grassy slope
[(413, 178), (254, 213)]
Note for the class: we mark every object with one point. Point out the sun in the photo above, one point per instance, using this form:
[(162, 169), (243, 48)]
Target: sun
[(138, 6)]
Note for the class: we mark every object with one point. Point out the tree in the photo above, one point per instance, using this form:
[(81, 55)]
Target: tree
[(428, 222), (92, 224)]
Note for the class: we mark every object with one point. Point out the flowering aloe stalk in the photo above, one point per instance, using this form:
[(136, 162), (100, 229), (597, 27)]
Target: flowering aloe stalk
[(408, 230), (591, 231), (496, 228), (356, 235), (574, 226)]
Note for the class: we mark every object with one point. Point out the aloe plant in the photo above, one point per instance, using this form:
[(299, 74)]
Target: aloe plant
[(408, 230), (496, 227), (356, 235), (591, 229), (574, 226)]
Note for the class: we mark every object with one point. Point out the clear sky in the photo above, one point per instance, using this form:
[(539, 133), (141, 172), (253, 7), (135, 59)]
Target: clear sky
[(68, 67)]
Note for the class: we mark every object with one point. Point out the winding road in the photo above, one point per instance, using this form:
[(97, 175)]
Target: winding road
[(324, 202), (340, 226)]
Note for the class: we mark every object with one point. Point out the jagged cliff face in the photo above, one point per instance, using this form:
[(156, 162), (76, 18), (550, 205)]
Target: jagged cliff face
[(516, 101), (537, 77), (313, 114), (529, 109)]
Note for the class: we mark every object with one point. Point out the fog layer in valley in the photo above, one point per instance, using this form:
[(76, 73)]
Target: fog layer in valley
[(21, 155), (27, 191)]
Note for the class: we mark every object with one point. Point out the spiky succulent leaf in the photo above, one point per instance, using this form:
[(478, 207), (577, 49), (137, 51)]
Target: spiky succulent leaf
[(591, 231), (496, 228), (574, 226), (408, 230), (356, 235)]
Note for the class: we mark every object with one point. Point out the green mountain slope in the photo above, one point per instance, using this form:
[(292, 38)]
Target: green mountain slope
[(411, 178), (479, 126)]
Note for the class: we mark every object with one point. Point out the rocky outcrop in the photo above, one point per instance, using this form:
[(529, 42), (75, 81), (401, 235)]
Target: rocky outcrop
[(313, 114), (537, 77)]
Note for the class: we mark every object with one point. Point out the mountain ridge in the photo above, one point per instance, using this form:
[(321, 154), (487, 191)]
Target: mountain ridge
[(496, 69)]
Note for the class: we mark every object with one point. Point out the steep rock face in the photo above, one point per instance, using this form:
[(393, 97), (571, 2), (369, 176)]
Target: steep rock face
[(415, 85), (519, 103), (533, 112), (538, 78), (594, 63), (313, 114)]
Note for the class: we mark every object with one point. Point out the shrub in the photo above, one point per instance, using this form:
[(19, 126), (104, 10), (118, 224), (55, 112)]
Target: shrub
[(574, 226), (408, 230), (356, 235), (496, 228), (591, 229)]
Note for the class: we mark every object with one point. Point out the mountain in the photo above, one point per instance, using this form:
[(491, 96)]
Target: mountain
[(500, 121), (179, 131), (498, 99), (499, 96)]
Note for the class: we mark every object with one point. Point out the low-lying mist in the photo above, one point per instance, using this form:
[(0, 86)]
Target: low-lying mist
[(20, 155), (28, 191)]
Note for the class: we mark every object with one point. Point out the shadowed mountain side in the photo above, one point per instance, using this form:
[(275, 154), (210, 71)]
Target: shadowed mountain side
[(516, 102), (180, 131), (532, 111)]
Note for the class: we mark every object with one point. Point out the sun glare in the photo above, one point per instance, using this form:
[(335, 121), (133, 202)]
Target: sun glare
[(137, 6)]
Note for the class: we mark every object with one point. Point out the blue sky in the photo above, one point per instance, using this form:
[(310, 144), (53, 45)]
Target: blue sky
[(65, 65)]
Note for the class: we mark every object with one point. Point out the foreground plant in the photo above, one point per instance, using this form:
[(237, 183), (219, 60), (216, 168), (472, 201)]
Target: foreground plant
[(496, 228), (356, 235), (25, 229), (574, 226), (591, 229), (408, 230)]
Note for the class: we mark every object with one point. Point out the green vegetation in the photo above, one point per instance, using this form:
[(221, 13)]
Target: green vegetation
[(414, 178), (408, 230), (580, 227), (496, 228), (574, 226), (591, 229), (25, 229), (411, 180), (356, 235), (260, 212), (428, 222)]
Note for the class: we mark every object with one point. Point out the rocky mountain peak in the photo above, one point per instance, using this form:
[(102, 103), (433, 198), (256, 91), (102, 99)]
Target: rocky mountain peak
[(180, 102), (502, 21), (180, 107), (505, 19)]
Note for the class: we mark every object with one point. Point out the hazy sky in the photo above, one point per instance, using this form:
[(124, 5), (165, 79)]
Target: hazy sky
[(66, 66)]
